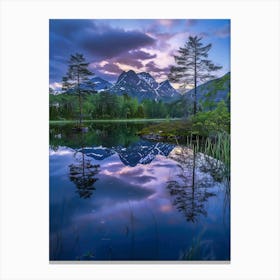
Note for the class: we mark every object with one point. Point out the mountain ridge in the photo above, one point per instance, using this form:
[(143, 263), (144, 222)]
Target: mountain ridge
[(143, 86), (212, 91)]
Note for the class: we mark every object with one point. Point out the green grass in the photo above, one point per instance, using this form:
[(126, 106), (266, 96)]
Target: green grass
[(217, 148), (178, 128)]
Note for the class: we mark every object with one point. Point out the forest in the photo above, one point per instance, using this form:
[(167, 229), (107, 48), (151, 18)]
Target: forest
[(105, 105)]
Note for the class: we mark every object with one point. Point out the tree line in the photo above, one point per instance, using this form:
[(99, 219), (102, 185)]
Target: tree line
[(105, 105)]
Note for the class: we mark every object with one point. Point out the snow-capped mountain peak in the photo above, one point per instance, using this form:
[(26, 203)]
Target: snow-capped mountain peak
[(148, 79), (101, 84), (143, 86)]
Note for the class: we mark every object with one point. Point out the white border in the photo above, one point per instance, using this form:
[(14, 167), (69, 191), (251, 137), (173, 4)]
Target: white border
[(255, 138)]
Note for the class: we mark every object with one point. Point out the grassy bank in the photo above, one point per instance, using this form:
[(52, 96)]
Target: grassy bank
[(168, 130)]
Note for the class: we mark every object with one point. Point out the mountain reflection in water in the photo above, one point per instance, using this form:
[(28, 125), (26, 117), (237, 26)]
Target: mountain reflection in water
[(133, 199)]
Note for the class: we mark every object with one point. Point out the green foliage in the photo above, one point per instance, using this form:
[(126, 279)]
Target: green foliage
[(211, 122), (169, 129), (77, 74), (111, 106), (219, 149), (63, 106), (208, 102)]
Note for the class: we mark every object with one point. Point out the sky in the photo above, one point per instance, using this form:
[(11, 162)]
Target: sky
[(117, 45)]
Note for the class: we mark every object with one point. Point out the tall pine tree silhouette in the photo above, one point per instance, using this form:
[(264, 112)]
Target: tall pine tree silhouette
[(192, 66), (77, 80)]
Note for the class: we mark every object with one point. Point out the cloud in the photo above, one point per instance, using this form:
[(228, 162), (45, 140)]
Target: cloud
[(160, 73), (135, 58), (142, 55), (68, 28), (166, 22), (111, 67), (222, 32), (56, 86), (179, 38), (111, 42), (151, 67), (107, 70), (137, 175), (98, 41), (163, 40)]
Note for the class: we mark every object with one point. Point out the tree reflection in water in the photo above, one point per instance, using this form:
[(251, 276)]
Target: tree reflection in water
[(190, 192), (83, 173)]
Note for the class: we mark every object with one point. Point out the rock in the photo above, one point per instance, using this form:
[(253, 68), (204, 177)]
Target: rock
[(203, 163)]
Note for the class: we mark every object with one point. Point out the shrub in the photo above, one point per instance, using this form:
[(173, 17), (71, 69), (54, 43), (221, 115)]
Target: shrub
[(212, 122)]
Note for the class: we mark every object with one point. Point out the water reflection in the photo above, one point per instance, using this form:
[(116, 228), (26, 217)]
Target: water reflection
[(189, 200), (100, 134), (82, 174), (193, 186), (137, 200)]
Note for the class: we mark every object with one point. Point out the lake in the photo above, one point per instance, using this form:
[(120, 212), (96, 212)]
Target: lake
[(115, 196)]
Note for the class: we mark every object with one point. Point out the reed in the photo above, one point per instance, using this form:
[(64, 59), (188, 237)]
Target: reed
[(217, 147)]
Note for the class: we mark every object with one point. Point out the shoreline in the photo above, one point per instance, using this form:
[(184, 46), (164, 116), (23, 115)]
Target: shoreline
[(112, 120)]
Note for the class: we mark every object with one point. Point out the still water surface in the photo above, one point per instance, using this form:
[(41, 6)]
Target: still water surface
[(115, 196)]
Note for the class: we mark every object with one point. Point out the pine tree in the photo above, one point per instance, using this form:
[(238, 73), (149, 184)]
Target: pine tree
[(77, 79), (193, 67)]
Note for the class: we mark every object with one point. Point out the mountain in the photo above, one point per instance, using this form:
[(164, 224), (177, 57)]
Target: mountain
[(166, 91), (144, 86), (130, 83), (101, 84), (96, 84), (98, 153), (141, 152), (141, 86), (146, 77), (212, 91)]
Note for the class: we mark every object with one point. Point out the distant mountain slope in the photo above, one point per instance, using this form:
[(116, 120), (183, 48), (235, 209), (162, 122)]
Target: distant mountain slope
[(96, 84), (167, 92), (101, 84), (212, 91)]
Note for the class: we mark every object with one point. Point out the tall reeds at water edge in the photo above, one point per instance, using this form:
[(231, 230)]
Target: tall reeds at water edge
[(217, 147)]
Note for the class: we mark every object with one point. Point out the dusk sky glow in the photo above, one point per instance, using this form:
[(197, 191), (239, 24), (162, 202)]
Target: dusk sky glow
[(113, 46)]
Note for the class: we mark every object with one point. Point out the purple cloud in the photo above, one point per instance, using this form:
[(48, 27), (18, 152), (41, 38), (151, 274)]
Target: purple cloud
[(134, 58), (152, 67), (112, 68), (157, 72), (96, 40), (114, 42)]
